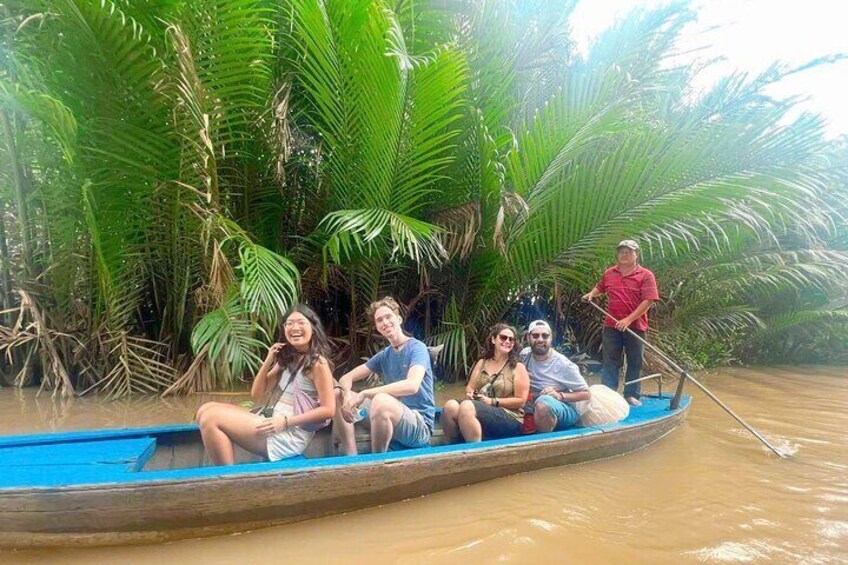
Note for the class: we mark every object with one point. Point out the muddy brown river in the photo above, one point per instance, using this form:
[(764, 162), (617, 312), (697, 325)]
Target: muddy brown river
[(707, 493)]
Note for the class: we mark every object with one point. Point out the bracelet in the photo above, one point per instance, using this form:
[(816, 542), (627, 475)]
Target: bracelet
[(287, 422), (497, 403)]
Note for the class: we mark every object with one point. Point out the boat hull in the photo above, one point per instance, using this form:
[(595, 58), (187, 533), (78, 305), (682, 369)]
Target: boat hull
[(170, 509)]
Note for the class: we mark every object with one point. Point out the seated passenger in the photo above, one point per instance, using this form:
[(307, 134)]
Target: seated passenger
[(300, 369), (495, 395), (555, 382), (402, 410)]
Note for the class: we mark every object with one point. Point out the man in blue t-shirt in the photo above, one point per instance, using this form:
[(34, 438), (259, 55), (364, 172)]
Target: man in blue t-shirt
[(403, 408)]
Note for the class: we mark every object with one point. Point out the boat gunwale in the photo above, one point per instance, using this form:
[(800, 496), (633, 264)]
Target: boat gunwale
[(283, 468)]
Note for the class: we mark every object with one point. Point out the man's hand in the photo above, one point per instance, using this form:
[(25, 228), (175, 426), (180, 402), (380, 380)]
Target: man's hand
[(350, 405), (623, 323), (588, 296), (548, 391), (271, 426)]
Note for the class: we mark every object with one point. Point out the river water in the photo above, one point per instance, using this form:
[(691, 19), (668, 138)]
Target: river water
[(707, 493)]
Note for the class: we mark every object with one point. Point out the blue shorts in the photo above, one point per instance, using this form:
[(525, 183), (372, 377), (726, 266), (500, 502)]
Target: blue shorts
[(566, 415)]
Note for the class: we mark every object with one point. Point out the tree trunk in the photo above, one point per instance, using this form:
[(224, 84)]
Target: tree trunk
[(5, 269), (352, 326), (21, 192)]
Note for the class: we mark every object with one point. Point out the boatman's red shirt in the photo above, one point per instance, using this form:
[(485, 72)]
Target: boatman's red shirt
[(627, 292)]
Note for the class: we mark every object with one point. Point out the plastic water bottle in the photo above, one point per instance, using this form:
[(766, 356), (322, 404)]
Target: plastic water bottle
[(362, 411)]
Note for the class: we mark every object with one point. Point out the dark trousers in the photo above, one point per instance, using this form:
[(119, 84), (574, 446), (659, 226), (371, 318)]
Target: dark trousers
[(614, 344)]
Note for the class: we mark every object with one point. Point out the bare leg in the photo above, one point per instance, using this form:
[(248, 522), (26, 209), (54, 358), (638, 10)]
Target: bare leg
[(223, 425), (386, 412), (450, 421), (469, 425), (344, 430), (544, 419), (206, 407)]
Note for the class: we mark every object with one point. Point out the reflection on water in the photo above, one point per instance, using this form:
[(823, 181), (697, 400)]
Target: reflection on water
[(707, 493), (22, 411)]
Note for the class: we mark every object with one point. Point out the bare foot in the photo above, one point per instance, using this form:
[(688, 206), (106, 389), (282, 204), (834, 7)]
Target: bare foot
[(633, 401)]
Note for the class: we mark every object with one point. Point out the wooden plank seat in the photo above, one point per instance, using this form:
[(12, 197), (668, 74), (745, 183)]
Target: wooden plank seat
[(52, 464), (363, 438), (130, 452), (325, 443)]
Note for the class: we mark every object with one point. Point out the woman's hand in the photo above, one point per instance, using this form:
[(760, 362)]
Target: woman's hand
[(272, 426), (350, 405), (273, 351), (484, 399)]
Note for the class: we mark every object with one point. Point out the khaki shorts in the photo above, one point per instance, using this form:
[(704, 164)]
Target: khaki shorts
[(410, 432)]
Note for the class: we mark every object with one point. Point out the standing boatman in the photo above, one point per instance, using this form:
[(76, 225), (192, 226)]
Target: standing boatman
[(631, 289)]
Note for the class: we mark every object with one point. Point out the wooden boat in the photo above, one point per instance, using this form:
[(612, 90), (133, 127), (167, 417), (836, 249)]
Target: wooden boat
[(147, 485)]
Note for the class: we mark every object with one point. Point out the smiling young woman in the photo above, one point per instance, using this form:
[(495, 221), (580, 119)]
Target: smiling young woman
[(495, 393), (300, 371)]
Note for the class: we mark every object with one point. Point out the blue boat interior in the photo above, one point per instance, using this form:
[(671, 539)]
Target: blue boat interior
[(168, 453)]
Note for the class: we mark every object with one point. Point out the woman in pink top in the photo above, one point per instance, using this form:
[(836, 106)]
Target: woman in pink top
[(298, 366)]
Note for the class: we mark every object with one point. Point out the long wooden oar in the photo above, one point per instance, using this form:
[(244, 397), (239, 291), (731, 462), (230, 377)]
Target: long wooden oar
[(685, 375)]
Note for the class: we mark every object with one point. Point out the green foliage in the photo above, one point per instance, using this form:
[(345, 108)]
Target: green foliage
[(228, 335), (178, 172), (454, 335)]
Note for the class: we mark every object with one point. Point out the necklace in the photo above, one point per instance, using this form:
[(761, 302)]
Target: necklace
[(397, 348)]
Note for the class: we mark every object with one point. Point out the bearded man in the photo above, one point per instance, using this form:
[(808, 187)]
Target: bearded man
[(555, 382)]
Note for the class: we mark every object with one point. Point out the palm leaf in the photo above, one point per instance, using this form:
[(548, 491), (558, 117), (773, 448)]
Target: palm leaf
[(270, 282), (231, 341), (358, 231)]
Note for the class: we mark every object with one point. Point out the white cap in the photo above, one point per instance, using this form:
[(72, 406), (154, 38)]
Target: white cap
[(539, 324), (628, 243)]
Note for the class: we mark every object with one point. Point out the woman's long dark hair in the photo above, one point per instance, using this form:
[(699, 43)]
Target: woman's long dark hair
[(489, 347), (319, 345)]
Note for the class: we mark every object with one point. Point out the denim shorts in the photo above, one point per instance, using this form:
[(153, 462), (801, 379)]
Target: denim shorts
[(496, 422), (566, 415)]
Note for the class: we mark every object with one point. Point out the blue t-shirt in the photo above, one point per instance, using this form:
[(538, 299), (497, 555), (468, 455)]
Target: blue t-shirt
[(393, 366)]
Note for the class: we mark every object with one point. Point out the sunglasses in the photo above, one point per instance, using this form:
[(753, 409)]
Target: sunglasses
[(540, 336), (506, 338)]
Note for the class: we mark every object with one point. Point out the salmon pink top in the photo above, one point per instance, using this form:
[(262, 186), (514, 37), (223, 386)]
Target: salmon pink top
[(626, 292)]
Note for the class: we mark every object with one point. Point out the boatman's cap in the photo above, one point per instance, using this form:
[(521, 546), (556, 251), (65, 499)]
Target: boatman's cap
[(629, 243), (539, 325)]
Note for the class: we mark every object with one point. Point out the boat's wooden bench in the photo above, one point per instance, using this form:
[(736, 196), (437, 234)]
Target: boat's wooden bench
[(325, 443), (50, 464)]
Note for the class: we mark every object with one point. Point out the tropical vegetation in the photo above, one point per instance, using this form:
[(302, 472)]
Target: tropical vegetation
[(176, 173)]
